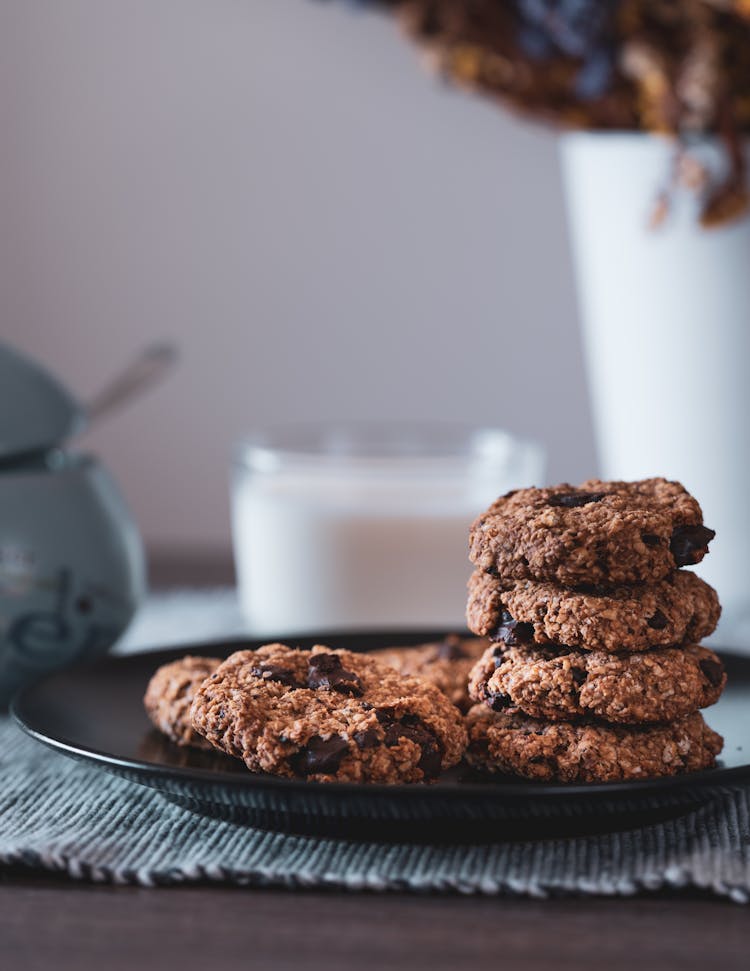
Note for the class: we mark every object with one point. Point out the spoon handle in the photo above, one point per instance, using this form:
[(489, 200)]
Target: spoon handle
[(148, 368)]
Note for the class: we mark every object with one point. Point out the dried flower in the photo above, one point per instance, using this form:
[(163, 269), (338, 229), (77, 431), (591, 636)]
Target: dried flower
[(678, 67)]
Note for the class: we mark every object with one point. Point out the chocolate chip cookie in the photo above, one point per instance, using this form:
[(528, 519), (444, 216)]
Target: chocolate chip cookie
[(170, 693), (680, 608), (562, 685), (511, 742), (446, 664), (604, 533), (327, 716)]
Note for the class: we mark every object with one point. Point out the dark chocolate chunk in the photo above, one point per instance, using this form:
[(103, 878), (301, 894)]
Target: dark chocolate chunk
[(367, 738), (713, 671), (450, 649), (658, 621), (689, 543), (320, 755), (275, 672), (413, 728), (546, 652), (594, 589), (650, 539), (571, 500), (512, 632), (498, 700), (550, 651), (579, 675), (326, 671)]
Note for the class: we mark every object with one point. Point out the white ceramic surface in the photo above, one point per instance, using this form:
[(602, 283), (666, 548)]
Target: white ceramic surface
[(666, 326)]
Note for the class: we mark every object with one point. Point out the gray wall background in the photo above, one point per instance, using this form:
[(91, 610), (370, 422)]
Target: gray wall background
[(324, 229)]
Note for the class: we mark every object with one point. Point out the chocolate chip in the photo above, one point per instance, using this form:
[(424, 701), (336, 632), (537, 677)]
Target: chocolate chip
[(594, 589), (571, 500), (450, 649), (274, 672), (367, 739), (650, 539), (413, 728), (512, 632), (327, 672), (551, 651), (658, 621), (497, 700), (546, 652), (320, 755), (689, 543), (713, 671), (579, 675), (507, 495)]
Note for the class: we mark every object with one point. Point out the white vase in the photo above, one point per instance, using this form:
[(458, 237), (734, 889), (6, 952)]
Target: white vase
[(666, 325)]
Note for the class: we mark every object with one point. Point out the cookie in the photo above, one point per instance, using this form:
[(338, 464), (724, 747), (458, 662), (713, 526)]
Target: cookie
[(511, 742), (680, 608), (604, 533), (446, 664), (327, 716), (170, 693), (563, 685)]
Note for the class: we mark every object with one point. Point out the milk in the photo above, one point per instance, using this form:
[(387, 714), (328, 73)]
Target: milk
[(367, 545)]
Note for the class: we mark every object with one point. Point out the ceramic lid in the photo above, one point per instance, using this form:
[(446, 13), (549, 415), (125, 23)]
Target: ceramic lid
[(36, 411)]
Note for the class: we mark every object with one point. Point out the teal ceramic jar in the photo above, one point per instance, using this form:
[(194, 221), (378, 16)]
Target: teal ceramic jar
[(71, 561)]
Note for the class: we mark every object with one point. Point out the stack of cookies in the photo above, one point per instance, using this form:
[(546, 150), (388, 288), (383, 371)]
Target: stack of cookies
[(595, 672)]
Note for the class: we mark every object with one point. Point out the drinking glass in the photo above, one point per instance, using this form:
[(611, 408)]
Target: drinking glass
[(365, 526)]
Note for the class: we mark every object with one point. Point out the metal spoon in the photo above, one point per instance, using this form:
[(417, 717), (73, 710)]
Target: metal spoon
[(145, 371)]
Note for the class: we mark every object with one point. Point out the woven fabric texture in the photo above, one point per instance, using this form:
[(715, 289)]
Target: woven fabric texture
[(58, 814)]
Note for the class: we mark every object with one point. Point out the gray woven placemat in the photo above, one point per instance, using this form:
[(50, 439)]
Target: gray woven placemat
[(57, 814)]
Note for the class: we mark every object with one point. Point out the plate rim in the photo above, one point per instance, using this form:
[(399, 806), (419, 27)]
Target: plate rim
[(505, 787)]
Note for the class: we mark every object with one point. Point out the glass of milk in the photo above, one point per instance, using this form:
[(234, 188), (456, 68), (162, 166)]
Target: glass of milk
[(363, 526)]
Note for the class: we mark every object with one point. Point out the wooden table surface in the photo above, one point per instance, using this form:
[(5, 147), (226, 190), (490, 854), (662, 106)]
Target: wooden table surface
[(52, 922)]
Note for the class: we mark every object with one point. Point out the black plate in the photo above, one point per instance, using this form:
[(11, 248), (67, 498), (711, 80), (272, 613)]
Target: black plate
[(95, 713)]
